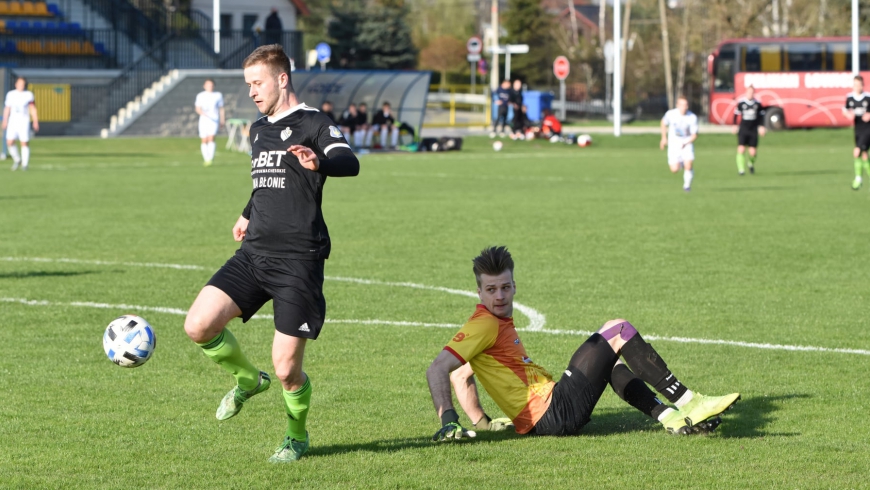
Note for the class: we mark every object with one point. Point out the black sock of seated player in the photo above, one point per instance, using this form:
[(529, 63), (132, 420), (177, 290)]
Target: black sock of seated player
[(646, 363), (635, 392)]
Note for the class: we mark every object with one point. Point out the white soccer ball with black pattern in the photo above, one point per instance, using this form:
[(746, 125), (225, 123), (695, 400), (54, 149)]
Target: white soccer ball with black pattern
[(129, 341)]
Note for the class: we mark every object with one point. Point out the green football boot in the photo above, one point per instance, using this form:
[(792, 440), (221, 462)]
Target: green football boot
[(290, 450), (701, 408), (675, 423), (233, 401)]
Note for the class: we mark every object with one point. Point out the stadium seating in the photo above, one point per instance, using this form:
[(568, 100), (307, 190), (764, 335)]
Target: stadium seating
[(29, 9)]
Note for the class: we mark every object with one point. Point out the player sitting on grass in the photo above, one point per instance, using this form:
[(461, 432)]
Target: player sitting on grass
[(488, 346), (857, 105), (751, 126)]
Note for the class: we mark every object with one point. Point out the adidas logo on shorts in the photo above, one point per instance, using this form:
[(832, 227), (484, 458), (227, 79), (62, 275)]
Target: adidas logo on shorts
[(304, 327)]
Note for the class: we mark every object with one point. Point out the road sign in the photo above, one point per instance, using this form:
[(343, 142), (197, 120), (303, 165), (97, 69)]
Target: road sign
[(561, 67), (323, 52), (510, 49), (474, 45), (473, 58)]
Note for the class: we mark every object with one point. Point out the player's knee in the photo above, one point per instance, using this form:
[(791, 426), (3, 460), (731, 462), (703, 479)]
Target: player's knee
[(200, 326), (610, 324)]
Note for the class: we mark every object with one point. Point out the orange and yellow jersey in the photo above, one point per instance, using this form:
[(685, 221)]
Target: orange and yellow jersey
[(521, 388)]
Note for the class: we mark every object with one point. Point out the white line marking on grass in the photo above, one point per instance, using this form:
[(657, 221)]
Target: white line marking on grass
[(733, 343), (105, 262), (182, 312), (536, 318), (684, 340)]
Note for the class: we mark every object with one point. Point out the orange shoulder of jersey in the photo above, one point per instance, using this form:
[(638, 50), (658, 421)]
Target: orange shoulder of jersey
[(521, 388)]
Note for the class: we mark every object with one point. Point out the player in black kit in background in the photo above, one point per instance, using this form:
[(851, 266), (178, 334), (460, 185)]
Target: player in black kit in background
[(294, 149), (751, 114), (857, 105)]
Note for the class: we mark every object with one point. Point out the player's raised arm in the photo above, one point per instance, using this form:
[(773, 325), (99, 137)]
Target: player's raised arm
[(339, 159)]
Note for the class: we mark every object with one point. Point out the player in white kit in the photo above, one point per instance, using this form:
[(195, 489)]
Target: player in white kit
[(18, 115), (210, 107), (679, 132)]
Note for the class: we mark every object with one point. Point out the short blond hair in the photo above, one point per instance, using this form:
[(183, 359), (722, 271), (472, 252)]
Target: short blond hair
[(273, 56)]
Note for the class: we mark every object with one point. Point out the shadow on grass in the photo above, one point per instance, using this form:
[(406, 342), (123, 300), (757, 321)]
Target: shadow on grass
[(29, 274), (804, 172), (751, 416)]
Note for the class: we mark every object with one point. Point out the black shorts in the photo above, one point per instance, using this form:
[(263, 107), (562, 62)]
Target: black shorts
[(748, 137), (572, 402), (295, 287), (862, 140)]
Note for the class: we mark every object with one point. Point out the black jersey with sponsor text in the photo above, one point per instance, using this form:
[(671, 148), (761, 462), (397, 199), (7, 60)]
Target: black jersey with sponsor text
[(860, 104), (284, 210), (751, 113)]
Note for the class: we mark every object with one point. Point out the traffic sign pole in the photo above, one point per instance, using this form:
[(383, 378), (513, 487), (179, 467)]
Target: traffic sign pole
[(561, 68), (474, 46)]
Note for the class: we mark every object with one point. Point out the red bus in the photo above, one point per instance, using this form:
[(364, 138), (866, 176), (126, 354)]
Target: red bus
[(804, 81)]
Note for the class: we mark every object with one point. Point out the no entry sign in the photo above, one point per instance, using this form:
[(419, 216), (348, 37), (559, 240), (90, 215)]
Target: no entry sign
[(561, 67)]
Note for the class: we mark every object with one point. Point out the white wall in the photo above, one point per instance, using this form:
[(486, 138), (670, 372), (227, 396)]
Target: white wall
[(238, 8)]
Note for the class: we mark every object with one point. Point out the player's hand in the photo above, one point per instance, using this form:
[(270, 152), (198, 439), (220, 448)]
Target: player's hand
[(663, 143), (307, 157), (866, 117), (5, 124), (762, 131), (734, 129), (453, 431), (35, 126), (240, 229)]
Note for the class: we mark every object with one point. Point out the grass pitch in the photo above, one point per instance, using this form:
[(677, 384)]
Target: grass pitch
[(778, 257)]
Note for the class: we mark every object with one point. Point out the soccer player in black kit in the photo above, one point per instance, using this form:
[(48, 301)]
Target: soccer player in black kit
[(751, 114), (285, 244), (857, 105)]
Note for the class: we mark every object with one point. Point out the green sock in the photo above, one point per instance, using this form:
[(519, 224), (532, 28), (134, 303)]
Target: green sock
[(859, 164), (296, 403), (867, 166), (225, 350), (741, 162), (751, 160)]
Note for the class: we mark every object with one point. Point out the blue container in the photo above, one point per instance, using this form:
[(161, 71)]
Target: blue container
[(535, 102)]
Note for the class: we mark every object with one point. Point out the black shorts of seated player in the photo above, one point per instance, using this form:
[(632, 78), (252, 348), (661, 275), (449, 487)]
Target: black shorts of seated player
[(862, 140), (748, 137), (295, 287), (578, 391)]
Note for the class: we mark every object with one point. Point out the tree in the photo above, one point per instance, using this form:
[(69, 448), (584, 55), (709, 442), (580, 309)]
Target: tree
[(528, 23), (443, 54), (385, 37), (372, 36)]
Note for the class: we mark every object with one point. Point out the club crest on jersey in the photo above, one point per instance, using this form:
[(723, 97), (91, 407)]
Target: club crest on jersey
[(286, 134), (335, 132)]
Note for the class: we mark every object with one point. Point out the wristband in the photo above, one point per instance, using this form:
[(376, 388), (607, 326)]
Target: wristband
[(449, 416)]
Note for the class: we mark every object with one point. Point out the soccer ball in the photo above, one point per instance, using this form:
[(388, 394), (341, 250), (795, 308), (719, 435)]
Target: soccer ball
[(497, 146), (129, 341), (584, 140)]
